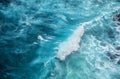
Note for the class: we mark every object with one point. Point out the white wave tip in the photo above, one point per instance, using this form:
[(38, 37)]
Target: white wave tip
[(71, 44)]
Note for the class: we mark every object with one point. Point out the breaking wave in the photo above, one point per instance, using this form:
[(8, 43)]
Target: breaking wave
[(71, 44)]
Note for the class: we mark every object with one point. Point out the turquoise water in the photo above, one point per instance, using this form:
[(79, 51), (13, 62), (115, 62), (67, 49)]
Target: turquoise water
[(60, 39)]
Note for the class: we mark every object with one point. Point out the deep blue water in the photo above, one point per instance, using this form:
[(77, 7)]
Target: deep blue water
[(59, 39)]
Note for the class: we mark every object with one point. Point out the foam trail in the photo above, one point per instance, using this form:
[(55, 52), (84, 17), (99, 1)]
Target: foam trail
[(71, 44)]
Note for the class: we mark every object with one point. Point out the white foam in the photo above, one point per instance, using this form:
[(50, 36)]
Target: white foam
[(40, 37), (71, 44)]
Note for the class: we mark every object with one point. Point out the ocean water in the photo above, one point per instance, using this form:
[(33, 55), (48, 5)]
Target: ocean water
[(59, 39)]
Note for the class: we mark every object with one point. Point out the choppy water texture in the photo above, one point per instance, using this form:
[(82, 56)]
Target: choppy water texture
[(59, 39)]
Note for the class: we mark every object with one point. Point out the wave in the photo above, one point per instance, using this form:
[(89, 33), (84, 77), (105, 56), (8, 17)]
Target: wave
[(71, 44)]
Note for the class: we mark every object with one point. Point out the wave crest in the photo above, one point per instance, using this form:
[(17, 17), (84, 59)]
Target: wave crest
[(71, 44)]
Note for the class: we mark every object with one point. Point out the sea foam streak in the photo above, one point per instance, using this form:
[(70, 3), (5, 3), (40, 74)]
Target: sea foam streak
[(71, 44)]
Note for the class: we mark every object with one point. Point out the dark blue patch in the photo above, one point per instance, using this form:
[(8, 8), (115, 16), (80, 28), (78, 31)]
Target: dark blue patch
[(117, 17), (5, 2)]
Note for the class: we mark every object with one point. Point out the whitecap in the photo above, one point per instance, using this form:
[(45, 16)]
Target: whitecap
[(71, 44), (40, 37)]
